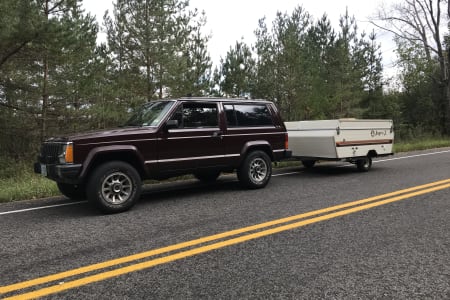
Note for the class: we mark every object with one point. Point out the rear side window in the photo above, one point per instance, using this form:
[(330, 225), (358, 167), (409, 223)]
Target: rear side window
[(247, 115)]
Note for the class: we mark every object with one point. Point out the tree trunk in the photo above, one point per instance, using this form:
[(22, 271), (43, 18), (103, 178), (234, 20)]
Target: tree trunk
[(43, 133), (44, 99)]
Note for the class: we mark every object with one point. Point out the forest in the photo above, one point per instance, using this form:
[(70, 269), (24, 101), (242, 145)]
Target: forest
[(56, 78)]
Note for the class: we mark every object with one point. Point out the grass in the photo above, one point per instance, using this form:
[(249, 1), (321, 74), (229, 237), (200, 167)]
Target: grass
[(422, 144), (18, 182), (24, 184)]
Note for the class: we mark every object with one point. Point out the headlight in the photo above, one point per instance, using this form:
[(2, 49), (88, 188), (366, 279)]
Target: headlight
[(66, 156)]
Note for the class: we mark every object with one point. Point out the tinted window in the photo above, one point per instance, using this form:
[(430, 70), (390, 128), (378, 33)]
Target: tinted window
[(248, 115), (230, 115), (193, 115)]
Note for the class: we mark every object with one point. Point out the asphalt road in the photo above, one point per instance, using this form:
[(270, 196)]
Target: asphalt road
[(311, 238)]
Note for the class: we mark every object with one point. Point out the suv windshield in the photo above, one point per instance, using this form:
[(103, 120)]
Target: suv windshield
[(150, 114)]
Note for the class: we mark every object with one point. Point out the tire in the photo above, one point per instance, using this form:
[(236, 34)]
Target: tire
[(72, 191), (256, 170), (308, 163), (207, 176), (114, 187), (364, 164)]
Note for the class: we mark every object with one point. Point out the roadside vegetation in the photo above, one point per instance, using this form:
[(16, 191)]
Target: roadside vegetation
[(422, 144), (18, 182)]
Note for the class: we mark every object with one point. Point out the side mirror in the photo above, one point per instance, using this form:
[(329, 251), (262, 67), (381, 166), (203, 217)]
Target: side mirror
[(171, 124)]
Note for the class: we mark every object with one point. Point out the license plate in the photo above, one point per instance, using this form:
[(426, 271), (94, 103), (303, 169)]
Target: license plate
[(43, 170)]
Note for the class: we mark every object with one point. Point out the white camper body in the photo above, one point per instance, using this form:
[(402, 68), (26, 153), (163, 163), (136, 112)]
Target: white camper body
[(353, 140)]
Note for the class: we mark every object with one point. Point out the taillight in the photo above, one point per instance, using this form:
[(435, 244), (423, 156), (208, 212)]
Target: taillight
[(286, 141)]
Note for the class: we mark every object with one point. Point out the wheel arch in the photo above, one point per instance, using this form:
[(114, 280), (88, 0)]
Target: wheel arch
[(100, 155), (257, 145), (372, 153)]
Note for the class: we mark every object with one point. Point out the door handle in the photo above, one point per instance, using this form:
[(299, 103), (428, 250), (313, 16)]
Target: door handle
[(217, 134)]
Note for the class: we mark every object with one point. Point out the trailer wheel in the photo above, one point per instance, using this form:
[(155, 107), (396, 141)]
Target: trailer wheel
[(308, 163), (364, 164)]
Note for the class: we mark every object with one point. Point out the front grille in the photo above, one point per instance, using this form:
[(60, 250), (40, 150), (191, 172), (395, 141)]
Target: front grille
[(50, 152)]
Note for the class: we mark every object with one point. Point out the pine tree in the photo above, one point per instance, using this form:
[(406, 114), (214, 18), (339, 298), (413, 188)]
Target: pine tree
[(236, 71), (320, 44), (46, 83), (191, 74), (348, 69), (72, 77), (280, 62), (374, 102), (154, 42), (265, 85)]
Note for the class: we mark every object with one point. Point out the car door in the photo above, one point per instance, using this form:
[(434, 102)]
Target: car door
[(196, 143)]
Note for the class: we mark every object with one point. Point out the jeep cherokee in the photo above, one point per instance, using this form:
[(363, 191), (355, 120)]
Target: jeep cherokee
[(166, 138)]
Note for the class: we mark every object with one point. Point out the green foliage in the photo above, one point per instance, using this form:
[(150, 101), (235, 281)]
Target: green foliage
[(237, 71), (28, 186), (423, 59), (157, 50), (311, 71), (19, 24), (281, 70), (192, 75), (46, 87), (55, 79), (423, 143), (17, 182), (422, 99)]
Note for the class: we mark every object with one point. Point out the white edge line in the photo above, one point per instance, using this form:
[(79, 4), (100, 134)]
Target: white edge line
[(274, 175), (40, 207), (283, 174), (412, 156)]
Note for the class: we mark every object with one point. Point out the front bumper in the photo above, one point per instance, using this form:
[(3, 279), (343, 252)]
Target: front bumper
[(61, 173)]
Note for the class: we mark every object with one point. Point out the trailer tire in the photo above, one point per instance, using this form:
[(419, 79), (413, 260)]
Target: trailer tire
[(364, 164), (308, 163)]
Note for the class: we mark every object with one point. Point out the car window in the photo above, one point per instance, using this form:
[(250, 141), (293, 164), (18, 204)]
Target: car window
[(150, 114), (247, 115), (196, 115)]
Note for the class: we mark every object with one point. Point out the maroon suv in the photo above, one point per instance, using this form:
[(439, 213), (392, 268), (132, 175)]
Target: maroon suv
[(200, 136)]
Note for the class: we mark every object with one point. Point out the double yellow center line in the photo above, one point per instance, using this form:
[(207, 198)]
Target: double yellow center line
[(97, 272)]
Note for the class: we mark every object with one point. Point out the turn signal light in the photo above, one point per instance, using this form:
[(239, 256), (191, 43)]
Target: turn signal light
[(69, 153)]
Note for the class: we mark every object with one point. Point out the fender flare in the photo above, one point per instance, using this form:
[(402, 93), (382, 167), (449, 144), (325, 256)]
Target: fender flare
[(95, 152), (261, 144)]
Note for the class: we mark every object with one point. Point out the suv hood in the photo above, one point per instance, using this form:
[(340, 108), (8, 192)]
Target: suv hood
[(105, 135)]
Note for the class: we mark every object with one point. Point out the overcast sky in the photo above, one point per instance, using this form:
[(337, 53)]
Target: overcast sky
[(230, 20)]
